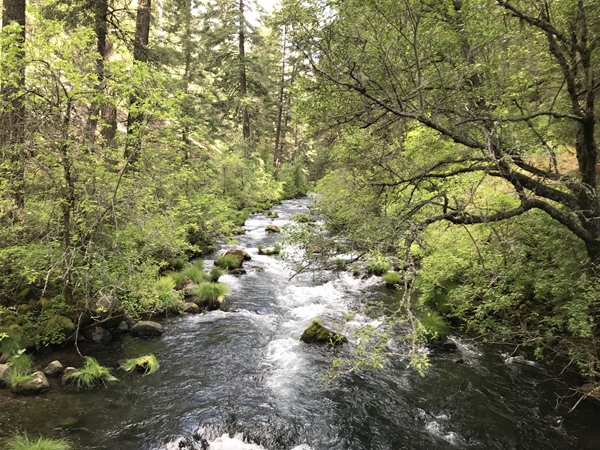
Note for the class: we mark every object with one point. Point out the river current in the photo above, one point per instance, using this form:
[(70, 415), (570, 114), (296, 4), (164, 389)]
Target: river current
[(240, 379)]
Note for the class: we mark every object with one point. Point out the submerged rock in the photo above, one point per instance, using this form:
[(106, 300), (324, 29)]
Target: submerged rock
[(36, 384), (67, 374), (318, 334), (54, 369), (121, 328), (69, 422), (147, 328), (272, 229), (98, 335), (444, 346), (191, 308), (237, 272)]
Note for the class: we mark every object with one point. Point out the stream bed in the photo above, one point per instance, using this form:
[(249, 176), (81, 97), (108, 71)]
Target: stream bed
[(240, 379)]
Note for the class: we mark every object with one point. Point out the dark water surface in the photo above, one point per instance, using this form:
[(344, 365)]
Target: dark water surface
[(239, 379)]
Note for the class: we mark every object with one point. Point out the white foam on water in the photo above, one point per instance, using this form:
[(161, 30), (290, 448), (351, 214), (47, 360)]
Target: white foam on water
[(519, 359), (213, 316), (225, 442), (233, 443), (434, 428), (286, 358)]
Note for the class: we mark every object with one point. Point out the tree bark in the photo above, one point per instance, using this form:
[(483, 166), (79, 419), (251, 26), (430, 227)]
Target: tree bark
[(280, 101), (243, 78), (133, 145), (101, 29), (12, 119)]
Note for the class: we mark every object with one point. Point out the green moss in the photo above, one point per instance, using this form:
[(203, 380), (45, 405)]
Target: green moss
[(147, 364), (91, 375), (55, 330), (24, 442), (318, 334)]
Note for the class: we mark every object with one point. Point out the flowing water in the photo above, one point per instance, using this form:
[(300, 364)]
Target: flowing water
[(240, 379)]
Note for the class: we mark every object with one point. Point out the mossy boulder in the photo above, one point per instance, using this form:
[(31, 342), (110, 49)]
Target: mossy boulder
[(191, 308), (59, 325), (232, 259), (68, 374), (4, 374), (54, 369), (97, 335), (36, 384), (147, 328), (272, 229), (105, 306), (318, 334)]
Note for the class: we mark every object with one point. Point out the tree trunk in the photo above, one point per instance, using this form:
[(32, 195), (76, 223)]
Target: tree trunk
[(133, 145), (12, 119), (187, 76), (280, 101), (68, 205), (243, 80), (101, 29)]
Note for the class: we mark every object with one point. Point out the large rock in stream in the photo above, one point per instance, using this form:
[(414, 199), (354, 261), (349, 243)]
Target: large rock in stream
[(97, 335), (147, 328), (54, 369), (235, 256), (318, 334), (4, 374), (36, 384)]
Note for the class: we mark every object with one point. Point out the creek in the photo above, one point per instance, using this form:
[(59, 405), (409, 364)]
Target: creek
[(239, 379)]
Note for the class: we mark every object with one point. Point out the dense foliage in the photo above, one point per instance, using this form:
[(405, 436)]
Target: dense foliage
[(460, 144), (123, 155)]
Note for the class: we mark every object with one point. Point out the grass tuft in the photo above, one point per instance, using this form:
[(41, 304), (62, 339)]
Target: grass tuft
[(436, 327), (227, 262), (378, 266), (147, 364), (392, 279), (24, 442), (91, 375), (215, 273), (210, 293), (193, 272)]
